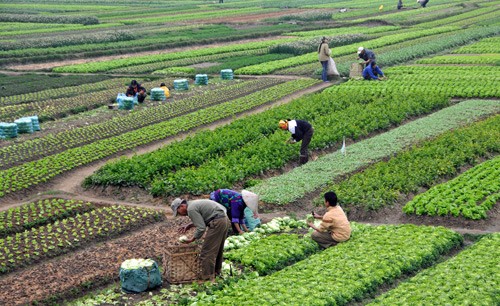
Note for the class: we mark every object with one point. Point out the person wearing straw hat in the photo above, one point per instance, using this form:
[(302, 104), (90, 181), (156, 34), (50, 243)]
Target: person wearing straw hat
[(366, 55), (209, 216), (301, 131), (237, 204)]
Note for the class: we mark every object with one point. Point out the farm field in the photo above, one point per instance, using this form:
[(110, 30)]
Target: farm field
[(86, 179)]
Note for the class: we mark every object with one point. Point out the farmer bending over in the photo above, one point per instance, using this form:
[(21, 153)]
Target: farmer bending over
[(135, 89), (237, 205), (366, 55), (372, 72), (301, 131), (209, 216), (334, 227)]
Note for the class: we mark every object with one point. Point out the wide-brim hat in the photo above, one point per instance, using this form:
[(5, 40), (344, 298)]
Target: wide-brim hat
[(251, 200), (360, 49), (175, 205)]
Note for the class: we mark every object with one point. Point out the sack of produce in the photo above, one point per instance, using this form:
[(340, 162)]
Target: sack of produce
[(226, 74), (35, 122), (356, 70), (8, 130), (201, 79), (157, 94), (24, 125), (138, 275), (127, 103), (181, 84)]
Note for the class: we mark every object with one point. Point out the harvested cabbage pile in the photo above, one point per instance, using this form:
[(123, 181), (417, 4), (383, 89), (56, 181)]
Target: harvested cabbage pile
[(131, 264)]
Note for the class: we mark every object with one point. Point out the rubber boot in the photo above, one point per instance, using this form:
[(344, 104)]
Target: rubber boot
[(303, 160)]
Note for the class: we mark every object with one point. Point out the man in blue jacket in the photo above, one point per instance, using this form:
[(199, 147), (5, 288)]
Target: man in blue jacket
[(372, 72), (366, 55)]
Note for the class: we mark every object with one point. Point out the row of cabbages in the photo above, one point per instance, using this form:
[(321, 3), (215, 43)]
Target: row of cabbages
[(276, 225)]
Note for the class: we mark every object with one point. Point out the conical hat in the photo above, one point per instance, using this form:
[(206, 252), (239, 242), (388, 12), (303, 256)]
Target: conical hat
[(251, 200)]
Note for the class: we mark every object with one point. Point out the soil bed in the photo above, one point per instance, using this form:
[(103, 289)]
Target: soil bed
[(76, 273)]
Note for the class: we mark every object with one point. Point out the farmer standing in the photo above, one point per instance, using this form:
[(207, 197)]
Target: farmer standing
[(334, 227), (324, 53), (366, 55), (236, 204), (205, 214), (301, 131)]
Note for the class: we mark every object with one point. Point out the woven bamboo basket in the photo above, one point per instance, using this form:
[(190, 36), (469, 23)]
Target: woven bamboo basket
[(356, 70), (181, 264)]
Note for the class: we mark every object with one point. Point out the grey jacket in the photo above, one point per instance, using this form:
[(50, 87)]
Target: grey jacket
[(201, 212)]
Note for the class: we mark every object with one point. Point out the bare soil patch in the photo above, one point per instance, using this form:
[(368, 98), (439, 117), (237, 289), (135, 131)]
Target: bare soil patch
[(76, 273)]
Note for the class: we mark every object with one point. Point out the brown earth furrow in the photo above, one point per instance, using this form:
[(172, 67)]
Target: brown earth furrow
[(68, 275)]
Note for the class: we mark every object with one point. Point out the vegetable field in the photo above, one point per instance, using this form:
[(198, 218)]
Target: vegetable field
[(87, 176)]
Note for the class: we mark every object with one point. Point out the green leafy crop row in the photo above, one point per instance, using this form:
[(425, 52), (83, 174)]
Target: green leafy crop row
[(471, 194), (487, 45), (298, 182), (352, 119), (20, 218), (55, 93), (374, 256), (187, 61), (274, 252), (44, 146), (33, 173), (63, 235), (469, 278), (462, 82), (490, 59), (119, 63), (386, 182)]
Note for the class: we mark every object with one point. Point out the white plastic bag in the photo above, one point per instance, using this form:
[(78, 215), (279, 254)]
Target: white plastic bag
[(332, 68)]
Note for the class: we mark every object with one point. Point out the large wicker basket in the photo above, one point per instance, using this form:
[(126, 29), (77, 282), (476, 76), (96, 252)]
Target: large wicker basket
[(181, 263), (356, 71)]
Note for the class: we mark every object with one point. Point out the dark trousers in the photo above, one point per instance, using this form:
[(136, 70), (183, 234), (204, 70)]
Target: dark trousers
[(324, 239), (213, 247), (324, 73), (304, 154), (141, 97)]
